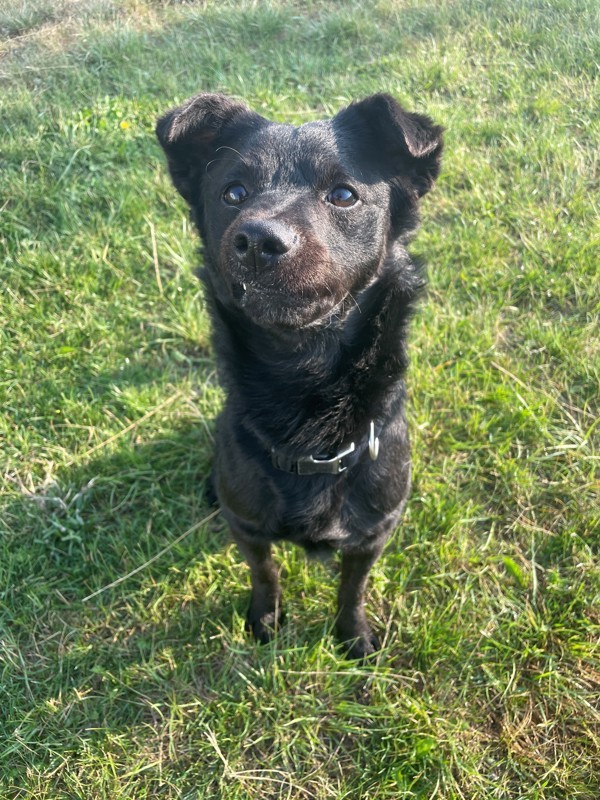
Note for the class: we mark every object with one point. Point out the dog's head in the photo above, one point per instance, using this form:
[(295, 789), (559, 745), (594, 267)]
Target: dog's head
[(297, 220)]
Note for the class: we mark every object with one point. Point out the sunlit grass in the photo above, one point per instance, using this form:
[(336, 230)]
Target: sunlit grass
[(487, 685)]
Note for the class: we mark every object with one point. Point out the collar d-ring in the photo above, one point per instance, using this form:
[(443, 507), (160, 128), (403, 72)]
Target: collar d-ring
[(373, 442)]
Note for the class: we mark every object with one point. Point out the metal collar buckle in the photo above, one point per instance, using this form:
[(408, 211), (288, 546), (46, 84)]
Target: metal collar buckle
[(327, 466)]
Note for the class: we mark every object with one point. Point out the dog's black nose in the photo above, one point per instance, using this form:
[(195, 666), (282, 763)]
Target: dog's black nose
[(260, 243)]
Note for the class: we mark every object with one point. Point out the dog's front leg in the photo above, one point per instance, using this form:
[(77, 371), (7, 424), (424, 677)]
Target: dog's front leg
[(264, 612), (352, 626)]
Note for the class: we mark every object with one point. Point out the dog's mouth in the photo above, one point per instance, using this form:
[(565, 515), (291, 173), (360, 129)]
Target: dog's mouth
[(238, 291), (274, 307)]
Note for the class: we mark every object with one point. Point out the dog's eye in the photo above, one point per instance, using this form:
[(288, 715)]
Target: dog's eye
[(342, 197), (235, 194)]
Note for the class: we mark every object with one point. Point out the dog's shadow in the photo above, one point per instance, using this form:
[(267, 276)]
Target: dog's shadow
[(115, 530)]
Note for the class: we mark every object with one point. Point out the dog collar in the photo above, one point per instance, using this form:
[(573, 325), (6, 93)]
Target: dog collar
[(318, 465)]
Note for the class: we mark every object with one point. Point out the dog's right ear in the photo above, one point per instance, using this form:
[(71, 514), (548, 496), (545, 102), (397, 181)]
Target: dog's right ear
[(188, 135)]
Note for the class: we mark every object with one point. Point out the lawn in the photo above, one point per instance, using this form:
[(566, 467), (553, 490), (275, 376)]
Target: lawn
[(125, 671)]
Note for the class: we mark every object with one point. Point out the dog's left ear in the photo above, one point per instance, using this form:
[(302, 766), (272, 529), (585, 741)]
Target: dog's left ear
[(412, 143)]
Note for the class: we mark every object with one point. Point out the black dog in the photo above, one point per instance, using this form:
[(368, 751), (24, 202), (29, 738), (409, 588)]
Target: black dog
[(310, 289)]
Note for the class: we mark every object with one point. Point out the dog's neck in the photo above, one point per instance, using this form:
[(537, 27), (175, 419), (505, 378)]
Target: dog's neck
[(316, 389)]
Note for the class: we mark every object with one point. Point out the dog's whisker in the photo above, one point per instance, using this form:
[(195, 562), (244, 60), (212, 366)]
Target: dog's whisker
[(233, 150), (355, 301), (218, 160)]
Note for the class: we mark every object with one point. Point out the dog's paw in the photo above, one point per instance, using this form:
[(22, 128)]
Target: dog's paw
[(363, 648), (360, 644), (264, 626)]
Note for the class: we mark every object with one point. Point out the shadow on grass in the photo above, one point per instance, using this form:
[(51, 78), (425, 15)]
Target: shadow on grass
[(155, 635)]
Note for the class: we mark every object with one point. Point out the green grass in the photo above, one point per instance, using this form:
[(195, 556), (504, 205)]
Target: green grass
[(488, 685)]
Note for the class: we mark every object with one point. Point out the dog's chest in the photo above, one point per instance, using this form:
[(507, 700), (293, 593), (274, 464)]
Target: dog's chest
[(320, 520), (309, 511)]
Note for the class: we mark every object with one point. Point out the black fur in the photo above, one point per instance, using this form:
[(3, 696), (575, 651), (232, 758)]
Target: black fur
[(310, 293)]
